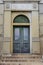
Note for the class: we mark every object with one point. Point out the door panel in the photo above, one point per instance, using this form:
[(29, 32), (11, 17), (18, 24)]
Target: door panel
[(25, 31), (21, 39)]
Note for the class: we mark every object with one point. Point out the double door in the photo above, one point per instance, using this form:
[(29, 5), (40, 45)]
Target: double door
[(21, 39)]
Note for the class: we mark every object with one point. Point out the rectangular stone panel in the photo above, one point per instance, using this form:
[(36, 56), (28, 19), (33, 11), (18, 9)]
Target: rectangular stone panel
[(1, 33), (7, 24), (7, 6), (40, 8), (24, 6), (1, 39), (41, 18), (7, 39), (1, 19), (21, 6), (35, 39), (1, 8), (1, 47), (35, 24), (41, 31), (35, 47), (1, 29), (6, 47), (41, 41)]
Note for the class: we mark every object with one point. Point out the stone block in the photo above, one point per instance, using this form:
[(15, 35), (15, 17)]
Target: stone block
[(36, 47), (41, 44), (40, 8), (6, 47), (1, 8), (7, 6), (41, 18), (7, 39), (1, 29), (35, 39), (7, 24), (1, 19), (41, 31), (1, 47), (35, 24)]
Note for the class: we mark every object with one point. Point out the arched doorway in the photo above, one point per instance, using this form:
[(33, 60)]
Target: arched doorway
[(21, 34)]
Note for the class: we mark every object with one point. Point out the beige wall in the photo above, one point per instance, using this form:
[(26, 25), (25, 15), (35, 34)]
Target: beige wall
[(7, 24), (35, 24), (35, 33), (7, 31), (5, 27)]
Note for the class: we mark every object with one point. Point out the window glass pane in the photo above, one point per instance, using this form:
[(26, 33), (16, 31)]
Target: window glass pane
[(21, 19), (25, 33), (17, 33)]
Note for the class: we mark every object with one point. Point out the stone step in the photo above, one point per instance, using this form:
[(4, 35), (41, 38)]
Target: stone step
[(20, 60), (20, 57), (21, 63), (28, 62)]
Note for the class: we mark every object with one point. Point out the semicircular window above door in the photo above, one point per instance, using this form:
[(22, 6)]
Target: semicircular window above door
[(21, 35), (21, 19)]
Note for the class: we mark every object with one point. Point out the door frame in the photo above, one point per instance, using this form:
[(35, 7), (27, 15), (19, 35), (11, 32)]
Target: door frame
[(27, 24)]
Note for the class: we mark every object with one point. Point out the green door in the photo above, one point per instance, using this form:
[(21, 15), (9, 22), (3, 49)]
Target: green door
[(21, 39)]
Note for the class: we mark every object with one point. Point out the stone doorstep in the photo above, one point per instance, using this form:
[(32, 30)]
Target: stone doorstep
[(25, 60), (13, 59), (10, 57), (6, 55), (20, 61), (21, 55)]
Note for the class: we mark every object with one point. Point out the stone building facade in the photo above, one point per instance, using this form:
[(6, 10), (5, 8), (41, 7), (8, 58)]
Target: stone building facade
[(9, 9)]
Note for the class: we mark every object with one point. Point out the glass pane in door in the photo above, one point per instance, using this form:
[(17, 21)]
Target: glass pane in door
[(25, 33), (17, 33)]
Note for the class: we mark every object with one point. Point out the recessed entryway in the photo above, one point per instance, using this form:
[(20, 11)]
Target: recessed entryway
[(21, 33)]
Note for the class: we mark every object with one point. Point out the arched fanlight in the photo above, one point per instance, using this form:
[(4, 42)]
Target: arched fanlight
[(21, 19)]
